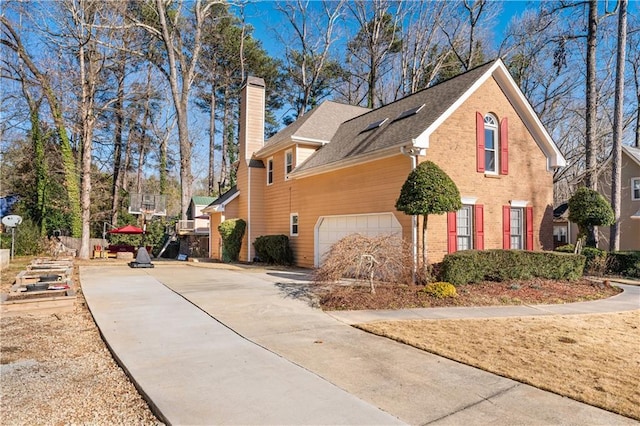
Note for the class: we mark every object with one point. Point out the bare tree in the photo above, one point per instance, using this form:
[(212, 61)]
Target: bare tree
[(372, 49), (310, 70), (13, 41), (181, 39), (616, 174)]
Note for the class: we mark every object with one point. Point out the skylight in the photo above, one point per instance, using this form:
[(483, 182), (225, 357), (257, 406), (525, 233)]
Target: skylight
[(375, 125), (410, 112)]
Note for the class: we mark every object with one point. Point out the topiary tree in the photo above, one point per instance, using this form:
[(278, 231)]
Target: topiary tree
[(428, 190), (588, 209), (231, 231)]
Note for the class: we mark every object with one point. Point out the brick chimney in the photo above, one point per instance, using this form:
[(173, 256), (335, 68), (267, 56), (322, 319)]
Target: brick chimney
[(251, 133)]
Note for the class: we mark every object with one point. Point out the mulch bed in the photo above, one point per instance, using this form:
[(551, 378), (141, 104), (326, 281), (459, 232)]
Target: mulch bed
[(529, 292)]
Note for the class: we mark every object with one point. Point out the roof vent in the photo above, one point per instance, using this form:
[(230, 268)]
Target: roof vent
[(410, 112), (375, 125)]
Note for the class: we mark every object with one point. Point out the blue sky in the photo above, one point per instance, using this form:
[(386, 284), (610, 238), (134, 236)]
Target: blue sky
[(267, 21)]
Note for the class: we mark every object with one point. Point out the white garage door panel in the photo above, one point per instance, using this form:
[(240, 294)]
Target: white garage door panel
[(331, 229)]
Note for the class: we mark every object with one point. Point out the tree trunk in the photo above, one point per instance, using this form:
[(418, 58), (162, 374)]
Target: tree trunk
[(616, 173), (117, 148), (212, 143), (424, 243), (591, 175)]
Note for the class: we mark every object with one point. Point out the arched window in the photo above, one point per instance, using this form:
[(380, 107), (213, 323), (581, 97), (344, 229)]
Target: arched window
[(491, 149)]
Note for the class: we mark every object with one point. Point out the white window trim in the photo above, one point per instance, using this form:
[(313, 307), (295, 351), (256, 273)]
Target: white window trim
[(471, 218), (270, 170), (518, 203), (291, 216), (522, 230), (286, 173), (633, 180), (469, 200), (496, 145)]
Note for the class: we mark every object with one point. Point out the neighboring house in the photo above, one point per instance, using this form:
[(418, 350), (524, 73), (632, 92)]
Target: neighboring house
[(196, 228), (338, 170), (629, 201)]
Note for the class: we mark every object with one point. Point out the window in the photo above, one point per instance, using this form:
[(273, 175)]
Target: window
[(635, 189), (269, 171), (288, 162), (560, 234), (464, 228), (517, 228), (490, 144), (294, 224)]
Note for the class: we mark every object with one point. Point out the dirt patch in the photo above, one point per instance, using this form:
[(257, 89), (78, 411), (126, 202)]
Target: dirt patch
[(590, 358), (56, 369), (536, 291)]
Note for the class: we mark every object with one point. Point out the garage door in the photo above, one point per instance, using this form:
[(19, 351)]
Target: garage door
[(330, 229)]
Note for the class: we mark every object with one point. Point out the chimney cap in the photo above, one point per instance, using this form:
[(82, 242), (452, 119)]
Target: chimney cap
[(254, 81)]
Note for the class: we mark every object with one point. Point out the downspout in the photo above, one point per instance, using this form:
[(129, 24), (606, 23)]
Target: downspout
[(414, 218), (249, 213)]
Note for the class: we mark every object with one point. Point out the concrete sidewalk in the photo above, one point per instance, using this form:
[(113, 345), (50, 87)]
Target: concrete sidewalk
[(246, 350)]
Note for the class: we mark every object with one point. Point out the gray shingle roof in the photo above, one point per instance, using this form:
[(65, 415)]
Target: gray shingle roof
[(633, 152), (320, 123), (351, 140), (224, 197)]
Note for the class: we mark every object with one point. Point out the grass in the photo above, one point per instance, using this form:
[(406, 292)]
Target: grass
[(590, 358)]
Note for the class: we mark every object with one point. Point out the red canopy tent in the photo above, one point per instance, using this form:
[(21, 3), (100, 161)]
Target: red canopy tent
[(127, 229)]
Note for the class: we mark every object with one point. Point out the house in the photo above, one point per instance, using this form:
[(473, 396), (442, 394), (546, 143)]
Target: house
[(566, 232), (196, 228), (629, 201), (338, 170)]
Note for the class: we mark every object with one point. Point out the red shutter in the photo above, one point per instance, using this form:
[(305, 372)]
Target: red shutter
[(529, 227), (452, 232), (479, 142), (478, 218), (504, 147), (506, 227)]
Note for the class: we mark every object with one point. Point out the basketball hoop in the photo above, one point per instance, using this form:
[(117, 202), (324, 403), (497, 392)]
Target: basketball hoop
[(147, 214)]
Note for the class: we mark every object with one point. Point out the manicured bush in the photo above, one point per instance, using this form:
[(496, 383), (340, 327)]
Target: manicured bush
[(441, 290), (588, 209), (231, 231), (274, 249), (472, 266), (595, 262)]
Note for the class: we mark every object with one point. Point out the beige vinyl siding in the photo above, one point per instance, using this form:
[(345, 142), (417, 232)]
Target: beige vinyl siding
[(369, 188), (629, 228), (302, 153)]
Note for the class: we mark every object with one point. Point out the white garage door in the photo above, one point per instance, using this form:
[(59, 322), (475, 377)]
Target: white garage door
[(330, 229)]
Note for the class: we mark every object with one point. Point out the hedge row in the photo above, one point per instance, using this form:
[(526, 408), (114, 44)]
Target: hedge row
[(471, 266), (600, 262), (231, 231), (274, 249)]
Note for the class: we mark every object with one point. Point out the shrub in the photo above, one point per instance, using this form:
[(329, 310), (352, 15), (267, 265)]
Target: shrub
[(231, 231), (589, 209), (28, 241), (385, 258), (274, 249), (596, 261), (568, 248), (441, 290), (624, 263), (472, 266)]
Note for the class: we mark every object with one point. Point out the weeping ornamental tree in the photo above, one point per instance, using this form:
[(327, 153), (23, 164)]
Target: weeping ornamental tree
[(428, 190), (588, 209)]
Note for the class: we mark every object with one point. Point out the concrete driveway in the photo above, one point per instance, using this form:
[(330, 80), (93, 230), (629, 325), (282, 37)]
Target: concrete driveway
[(194, 336)]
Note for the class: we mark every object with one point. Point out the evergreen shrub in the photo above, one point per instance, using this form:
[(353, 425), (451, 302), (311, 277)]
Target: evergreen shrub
[(626, 264), (441, 290), (231, 231), (274, 249), (471, 266)]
